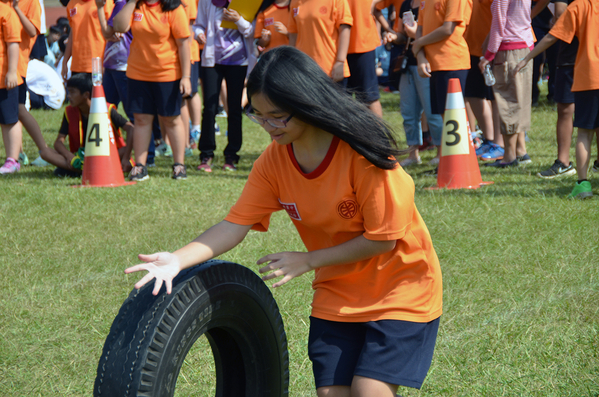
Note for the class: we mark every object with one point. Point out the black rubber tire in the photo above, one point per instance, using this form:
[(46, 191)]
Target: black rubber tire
[(231, 305)]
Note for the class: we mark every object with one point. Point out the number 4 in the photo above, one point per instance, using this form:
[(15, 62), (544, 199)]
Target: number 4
[(95, 137)]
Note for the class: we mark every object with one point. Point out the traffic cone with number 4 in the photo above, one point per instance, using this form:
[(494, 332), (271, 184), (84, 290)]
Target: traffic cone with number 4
[(458, 166)]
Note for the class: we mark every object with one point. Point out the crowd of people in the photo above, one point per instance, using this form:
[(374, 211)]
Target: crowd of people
[(158, 56)]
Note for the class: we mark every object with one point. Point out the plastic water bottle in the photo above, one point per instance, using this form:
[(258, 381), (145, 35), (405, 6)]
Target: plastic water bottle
[(96, 71), (489, 78)]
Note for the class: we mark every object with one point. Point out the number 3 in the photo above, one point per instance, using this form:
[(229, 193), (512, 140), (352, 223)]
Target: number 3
[(453, 132)]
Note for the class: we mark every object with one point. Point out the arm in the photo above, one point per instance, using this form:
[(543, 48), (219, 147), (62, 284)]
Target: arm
[(29, 28), (441, 33), (547, 42), (292, 39), (164, 266), (264, 39), (293, 264), (540, 6), (122, 21), (560, 8), (378, 15), (424, 67), (107, 31), (68, 50), (60, 147), (125, 161), (185, 61), (11, 79), (342, 46)]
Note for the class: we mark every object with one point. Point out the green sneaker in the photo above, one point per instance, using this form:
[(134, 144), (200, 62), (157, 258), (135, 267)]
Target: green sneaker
[(23, 159), (581, 190)]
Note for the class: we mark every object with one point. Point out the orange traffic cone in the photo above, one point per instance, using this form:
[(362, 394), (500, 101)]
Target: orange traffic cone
[(458, 166), (102, 167)]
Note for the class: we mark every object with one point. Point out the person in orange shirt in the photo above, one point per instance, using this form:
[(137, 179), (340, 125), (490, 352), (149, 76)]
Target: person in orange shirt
[(86, 40), (271, 30), (159, 75), (332, 168), (10, 37), (321, 29), (581, 19), (440, 47)]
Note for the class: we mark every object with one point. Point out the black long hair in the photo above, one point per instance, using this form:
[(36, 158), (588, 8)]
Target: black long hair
[(165, 5), (293, 82)]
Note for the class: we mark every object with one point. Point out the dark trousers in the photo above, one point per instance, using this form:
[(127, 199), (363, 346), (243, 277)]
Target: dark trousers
[(211, 82)]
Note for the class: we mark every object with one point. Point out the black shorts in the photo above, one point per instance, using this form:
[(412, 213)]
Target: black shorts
[(586, 109), (9, 105), (439, 81), (22, 92), (564, 77), (363, 80), (475, 83), (150, 97), (391, 351)]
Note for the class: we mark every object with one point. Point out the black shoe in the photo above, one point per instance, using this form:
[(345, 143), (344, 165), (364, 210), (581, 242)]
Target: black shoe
[(556, 170), (524, 159), (179, 171), (139, 173), (499, 164), (63, 173)]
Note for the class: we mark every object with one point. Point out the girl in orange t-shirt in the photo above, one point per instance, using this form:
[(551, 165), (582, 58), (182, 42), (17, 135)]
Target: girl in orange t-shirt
[(332, 168), (159, 74), (271, 25)]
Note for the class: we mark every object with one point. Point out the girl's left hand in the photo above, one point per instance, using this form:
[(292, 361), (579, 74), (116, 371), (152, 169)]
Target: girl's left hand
[(231, 15), (286, 264), (279, 27), (185, 86)]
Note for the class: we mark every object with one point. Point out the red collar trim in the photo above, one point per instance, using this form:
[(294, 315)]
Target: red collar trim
[(280, 7), (322, 166), (153, 4)]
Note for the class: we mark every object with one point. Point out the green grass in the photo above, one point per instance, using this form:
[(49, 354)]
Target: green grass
[(520, 267)]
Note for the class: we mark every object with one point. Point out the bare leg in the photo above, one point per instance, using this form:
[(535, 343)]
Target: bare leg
[(334, 391), (564, 130), (185, 119), (497, 135), (142, 134), (376, 108), (32, 127), (12, 137), (366, 387), (521, 144), (483, 112), (195, 109), (511, 141), (173, 127), (583, 151)]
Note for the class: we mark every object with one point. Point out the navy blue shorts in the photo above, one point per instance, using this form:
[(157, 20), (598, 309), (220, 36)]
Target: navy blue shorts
[(564, 77), (391, 351), (9, 105), (439, 81), (475, 83), (363, 80), (195, 76), (22, 92), (586, 109), (150, 97)]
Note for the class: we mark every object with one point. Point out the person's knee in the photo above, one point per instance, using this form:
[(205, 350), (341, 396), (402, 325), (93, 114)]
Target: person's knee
[(143, 120)]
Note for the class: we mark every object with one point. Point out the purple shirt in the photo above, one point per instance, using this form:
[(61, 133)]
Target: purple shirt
[(116, 53)]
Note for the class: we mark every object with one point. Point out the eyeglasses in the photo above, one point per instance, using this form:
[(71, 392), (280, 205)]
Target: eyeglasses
[(275, 123)]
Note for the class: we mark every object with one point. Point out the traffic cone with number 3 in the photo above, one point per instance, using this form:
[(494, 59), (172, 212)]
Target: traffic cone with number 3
[(102, 167), (458, 166)]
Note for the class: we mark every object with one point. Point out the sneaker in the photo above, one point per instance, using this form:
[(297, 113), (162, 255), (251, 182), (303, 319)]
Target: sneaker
[(39, 162), (581, 190), (229, 165), (216, 129), (62, 173), (139, 173), (434, 161), (524, 159), (494, 153), (168, 152), (483, 148), (188, 152), (179, 171), (500, 164), (427, 144), (23, 159), (410, 161), (205, 165), (595, 166), (222, 113), (10, 166), (160, 149), (556, 170)]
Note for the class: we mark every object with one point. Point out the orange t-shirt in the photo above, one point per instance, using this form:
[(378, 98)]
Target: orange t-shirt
[(452, 52), (344, 198), (316, 23), (88, 41), (480, 26), (10, 33), (266, 20), (154, 54), (33, 12), (194, 46), (364, 35), (581, 19)]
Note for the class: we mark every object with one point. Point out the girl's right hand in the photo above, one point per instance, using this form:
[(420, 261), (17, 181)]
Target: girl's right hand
[(201, 38), (11, 80), (162, 266)]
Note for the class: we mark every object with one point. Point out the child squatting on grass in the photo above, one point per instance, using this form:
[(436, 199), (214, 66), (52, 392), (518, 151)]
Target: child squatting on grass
[(378, 289)]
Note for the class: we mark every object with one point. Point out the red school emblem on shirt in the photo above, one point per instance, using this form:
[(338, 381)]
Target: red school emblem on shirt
[(422, 5), (295, 12), (73, 12), (437, 6), (291, 209), (95, 14), (347, 209), (269, 21), (323, 10), (138, 16)]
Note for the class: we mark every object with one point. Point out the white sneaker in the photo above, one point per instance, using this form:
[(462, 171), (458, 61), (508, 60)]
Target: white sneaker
[(410, 161), (39, 162), (434, 161)]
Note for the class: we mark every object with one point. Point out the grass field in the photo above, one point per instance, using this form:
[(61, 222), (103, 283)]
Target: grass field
[(520, 267)]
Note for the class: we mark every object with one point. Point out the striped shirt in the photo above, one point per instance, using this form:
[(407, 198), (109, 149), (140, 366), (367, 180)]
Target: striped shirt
[(510, 29)]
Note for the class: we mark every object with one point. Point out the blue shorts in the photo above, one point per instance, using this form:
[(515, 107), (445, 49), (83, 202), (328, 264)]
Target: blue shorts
[(564, 77), (586, 109), (475, 83), (22, 92), (9, 105), (150, 97), (391, 351), (439, 81), (363, 80)]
